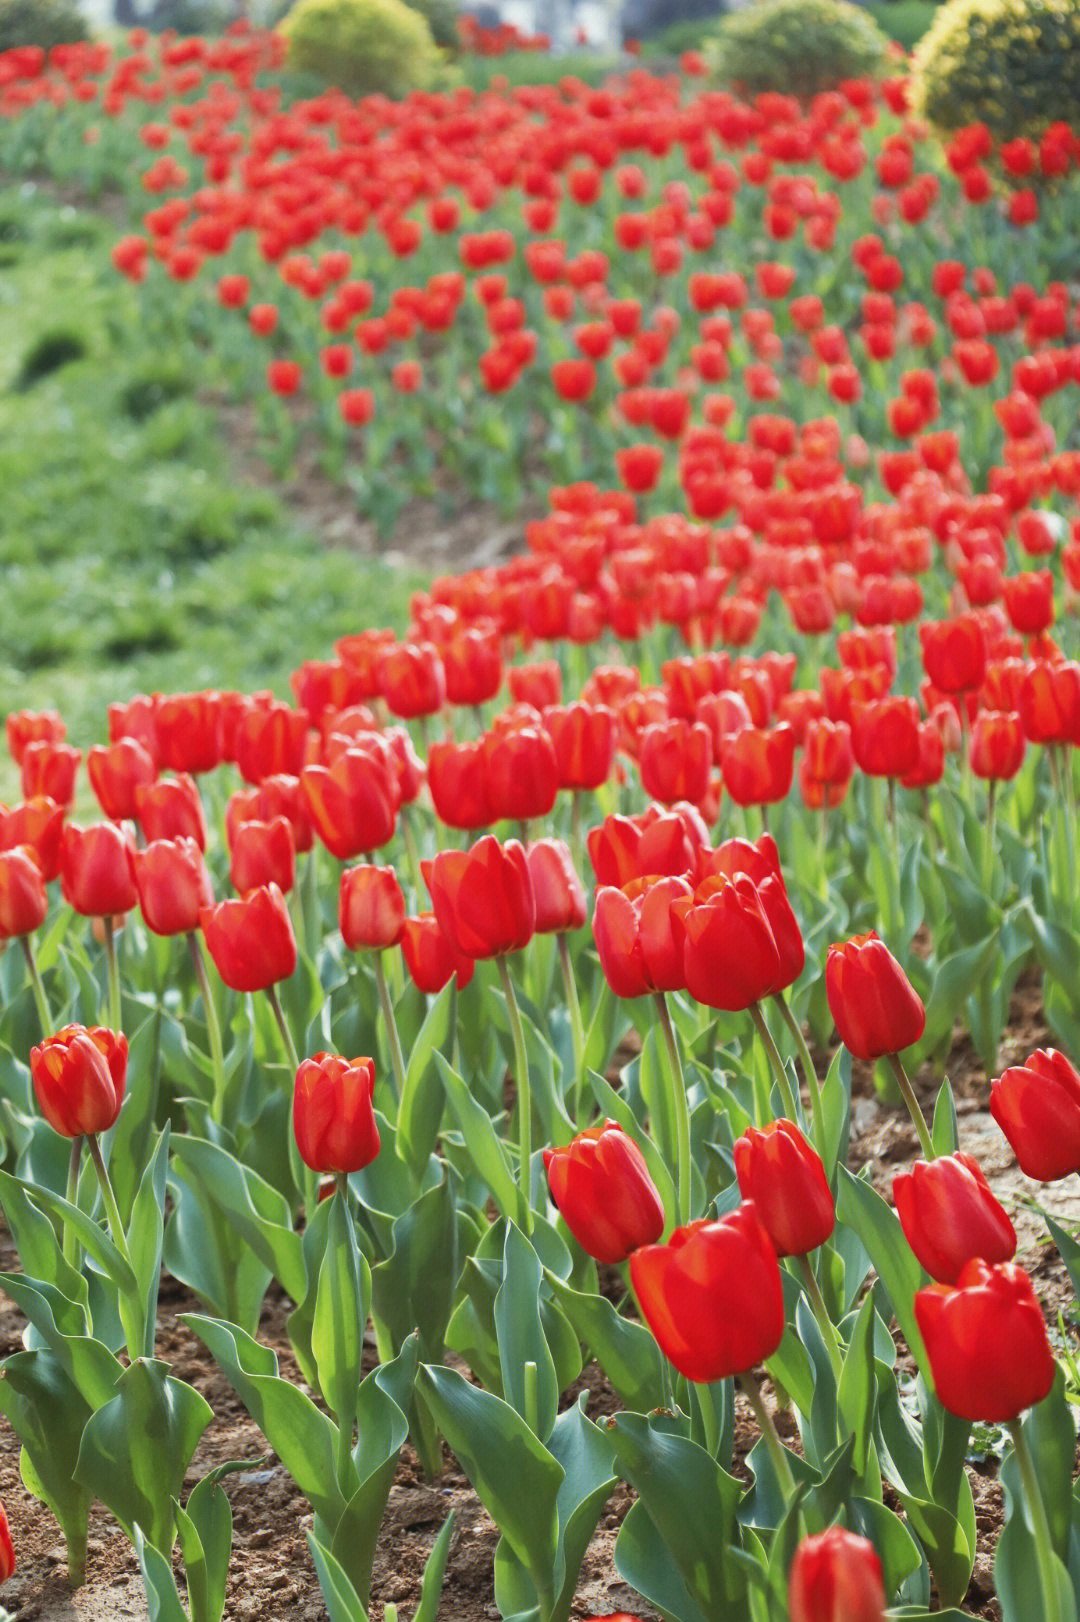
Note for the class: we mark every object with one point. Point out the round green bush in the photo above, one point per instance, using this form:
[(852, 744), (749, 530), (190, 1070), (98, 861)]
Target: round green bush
[(441, 17), (361, 46), (1013, 65), (799, 46), (40, 22)]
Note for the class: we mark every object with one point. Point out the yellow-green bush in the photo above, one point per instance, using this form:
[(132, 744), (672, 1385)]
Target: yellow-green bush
[(39, 22), (1013, 65), (799, 46), (361, 46)]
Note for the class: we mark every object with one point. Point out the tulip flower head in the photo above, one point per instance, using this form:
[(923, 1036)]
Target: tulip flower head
[(874, 1006), (986, 1342), (333, 1116), (949, 1215), (79, 1077), (1037, 1106), (836, 1577), (604, 1193)]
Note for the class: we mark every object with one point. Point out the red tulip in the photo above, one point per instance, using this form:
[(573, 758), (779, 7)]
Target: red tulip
[(560, 895), (78, 1077), (522, 777), (1037, 1106), (997, 745), (412, 680), (173, 885), (24, 901), (654, 842), (639, 943), (954, 653), (115, 772), (262, 853), (459, 785), (885, 736), (483, 897), (50, 769), (271, 741), (277, 796), (94, 875), (836, 1577), (171, 808), (785, 1178), (1029, 601), (7, 1548), (583, 737), (675, 757), (1050, 702), (25, 727), (949, 1215), (604, 1193), (712, 1295), (38, 824), (188, 729), (472, 662), (539, 685), (729, 953), (758, 765), (251, 940), (874, 1006), (333, 1117), (986, 1343), (371, 908), (431, 957), (352, 803)]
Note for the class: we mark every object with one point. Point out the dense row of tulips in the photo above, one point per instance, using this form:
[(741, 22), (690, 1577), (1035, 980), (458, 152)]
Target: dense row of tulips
[(851, 845)]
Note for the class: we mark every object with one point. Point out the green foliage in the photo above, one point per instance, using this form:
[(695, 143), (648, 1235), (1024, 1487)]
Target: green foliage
[(40, 22), (48, 354), (799, 46), (362, 46), (905, 21), (1013, 65), (441, 17)]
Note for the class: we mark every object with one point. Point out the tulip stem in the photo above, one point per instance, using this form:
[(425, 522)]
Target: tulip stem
[(409, 835), (136, 1316), (112, 1210), (748, 1384), (44, 1012), (524, 1092), (776, 1063), (821, 1313), (282, 1025), (1036, 1508), (113, 972), (71, 1242), (806, 1063), (397, 1058), (914, 1109), (577, 1030), (680, 1109), (213, 1024)]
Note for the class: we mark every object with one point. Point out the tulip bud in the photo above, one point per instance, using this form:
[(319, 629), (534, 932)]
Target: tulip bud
[(251, 940), (1037, 1106), (78, 1077), (874, 1006), (836, 1577), (24, 900), (785, 1178), (371, 908), (949, 1215), (483, 897), (604, 1193), (173, 884), (987, 1344), (431, 957), (7, 1548), (560, 895), (333, 1116), (94, 875)]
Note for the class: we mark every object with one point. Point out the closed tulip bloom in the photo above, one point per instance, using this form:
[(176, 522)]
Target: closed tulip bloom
[(277, 796), (675, 757), (94, 875), (352, 803), (473, 665), (712, 1295), (785, 928), (458, 782), (38, 824), (785, 1178), (640, 944), (875, 1008), (1049, 702), (24, 901), (949, 1215), (371, 908), (827, 755), (929, 768), (986, 1342), (173, 885), (116, 771), (954, 653), (522, 777), (756, 858), (836, 1577), (431, 957), (262, 853), (412, 679), (483, 897), (997, 745), (333, 1116), (7, 1548), (759, 764), (251, 940), (78, 1077), (560, 894), (171, 808), (1037, 1106), (188, 728), (538, 684), (50, 769), (655, 842), (604, 1193), (729, 952), (24, 727), (1029, 601), (271, 741), (583, 737), (885, 736)]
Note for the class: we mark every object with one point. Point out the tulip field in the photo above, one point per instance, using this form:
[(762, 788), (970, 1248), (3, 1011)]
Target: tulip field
[(566, 1107)]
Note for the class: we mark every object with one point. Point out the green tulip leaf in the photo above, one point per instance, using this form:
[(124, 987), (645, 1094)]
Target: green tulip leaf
[(487, 1153), (204, 1526), (415, 1287), (528, 1370), (585, 1453), (626, 1351), (136, 1449), (343, 1603), (422, 1097), (40, 1251), (48, 1414), (210, 1256), (249, 1205), (88, 1363), (860, 1208), (340, 1316), (434, 1571), (145, 1236), (163, 1602), (93, 1239)]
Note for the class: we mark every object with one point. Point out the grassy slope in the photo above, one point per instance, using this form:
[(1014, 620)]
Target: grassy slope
[(130, 559)]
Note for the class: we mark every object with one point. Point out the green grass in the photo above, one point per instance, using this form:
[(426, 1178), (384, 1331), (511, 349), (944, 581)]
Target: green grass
[(132, 558)]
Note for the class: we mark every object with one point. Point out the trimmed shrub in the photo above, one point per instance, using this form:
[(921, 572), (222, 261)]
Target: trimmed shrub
[(1013, 65), (361, 46), (799, 46), (441, 17), (40, 22)]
